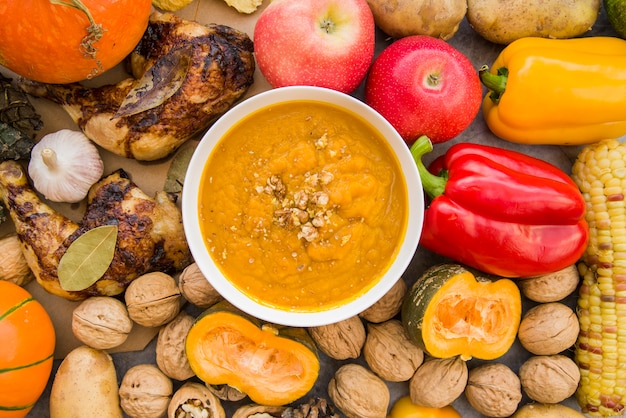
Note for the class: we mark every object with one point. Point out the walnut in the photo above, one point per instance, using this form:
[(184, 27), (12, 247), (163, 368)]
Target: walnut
[(388, 306), (153, 299), (101, 322), (551, 287), (494, 390), (227, 392), (259, 411), (389, 352), (548, 328), (196, 289), (145, 392), (549, 379), (341, 340), (438, 382), (195, 400), (14, 267), (170, 348), (359, 393)]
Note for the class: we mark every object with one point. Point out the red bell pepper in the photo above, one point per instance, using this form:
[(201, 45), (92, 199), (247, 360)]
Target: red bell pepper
[(501, 211)]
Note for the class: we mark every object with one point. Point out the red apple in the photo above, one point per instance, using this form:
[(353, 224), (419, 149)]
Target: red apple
[(324, 43), (424, 86)]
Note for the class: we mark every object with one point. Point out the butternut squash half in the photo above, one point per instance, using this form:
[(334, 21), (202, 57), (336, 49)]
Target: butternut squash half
[(449, 311), (272, 364)]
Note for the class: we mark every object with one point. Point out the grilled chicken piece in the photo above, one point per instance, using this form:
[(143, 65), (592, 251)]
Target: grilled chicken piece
[(210, 66), (150, 231)]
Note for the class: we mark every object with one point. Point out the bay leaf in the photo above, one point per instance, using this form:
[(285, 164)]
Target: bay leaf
[(178, 168), (87, 258), (158, 83)]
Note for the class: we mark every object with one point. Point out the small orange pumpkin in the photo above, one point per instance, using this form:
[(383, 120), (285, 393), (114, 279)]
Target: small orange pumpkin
[(54, 41), (27, 341)]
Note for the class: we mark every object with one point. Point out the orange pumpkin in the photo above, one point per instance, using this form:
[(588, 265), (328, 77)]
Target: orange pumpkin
[(62, 43), (27, 341)]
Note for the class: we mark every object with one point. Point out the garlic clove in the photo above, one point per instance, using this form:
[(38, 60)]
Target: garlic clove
[(64, 165)]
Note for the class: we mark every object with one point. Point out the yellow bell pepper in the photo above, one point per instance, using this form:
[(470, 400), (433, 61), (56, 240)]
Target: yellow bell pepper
[(557, 91), (404, 408)]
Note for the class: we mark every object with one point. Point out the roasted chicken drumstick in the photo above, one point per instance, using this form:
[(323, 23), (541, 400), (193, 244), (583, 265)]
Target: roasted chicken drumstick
[(185, 75), (150, 231)]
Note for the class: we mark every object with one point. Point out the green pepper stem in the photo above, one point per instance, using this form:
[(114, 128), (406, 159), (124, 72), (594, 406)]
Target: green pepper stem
[(433, 185), (496, 83)]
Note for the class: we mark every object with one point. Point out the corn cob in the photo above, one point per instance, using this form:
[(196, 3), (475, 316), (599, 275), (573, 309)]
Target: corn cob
[(600, 352)]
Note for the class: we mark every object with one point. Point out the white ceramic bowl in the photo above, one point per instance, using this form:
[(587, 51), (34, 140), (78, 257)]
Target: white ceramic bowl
[(202, 256)]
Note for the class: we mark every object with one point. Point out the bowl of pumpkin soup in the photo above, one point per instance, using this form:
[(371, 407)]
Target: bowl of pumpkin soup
[(302, 206)]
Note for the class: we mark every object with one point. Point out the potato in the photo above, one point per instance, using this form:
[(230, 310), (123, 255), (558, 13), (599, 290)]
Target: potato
[(399, 18), (503, 21), (85, 385), (545, 410)]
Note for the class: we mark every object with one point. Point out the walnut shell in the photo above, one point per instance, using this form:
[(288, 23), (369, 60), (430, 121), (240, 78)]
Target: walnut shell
[(196, 289), (145, 392), (438, 382), (195, 399), (389, 352), (101, 322), (341, 340), (170, 349), (551, 287), (259, 411), (494, 390), (14, 267), (548, 328), (549, 379), (359, 393), (227, 392), (388, 306), (153, 299)]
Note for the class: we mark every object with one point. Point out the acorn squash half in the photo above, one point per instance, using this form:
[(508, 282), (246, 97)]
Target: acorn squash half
[(272, 364), (451, 311)]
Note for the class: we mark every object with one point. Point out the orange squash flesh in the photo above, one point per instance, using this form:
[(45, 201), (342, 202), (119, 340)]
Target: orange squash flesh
[(273, 365), (456, 313)]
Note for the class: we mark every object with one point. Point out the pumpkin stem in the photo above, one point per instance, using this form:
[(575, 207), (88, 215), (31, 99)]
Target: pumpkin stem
[(94, 32), (433, 185)]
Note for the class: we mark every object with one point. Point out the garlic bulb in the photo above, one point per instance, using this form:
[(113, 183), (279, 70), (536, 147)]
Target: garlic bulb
[(64, 165)]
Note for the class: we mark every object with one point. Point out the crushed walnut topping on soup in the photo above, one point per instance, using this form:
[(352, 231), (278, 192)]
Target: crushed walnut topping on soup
[(303, 206)]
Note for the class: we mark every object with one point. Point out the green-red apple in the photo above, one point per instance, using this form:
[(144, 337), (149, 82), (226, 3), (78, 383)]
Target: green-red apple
[(324, 43), (424, 86)]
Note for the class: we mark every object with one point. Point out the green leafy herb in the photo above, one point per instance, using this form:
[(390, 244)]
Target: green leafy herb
[(16, 110), (178, 168), (87, 258)]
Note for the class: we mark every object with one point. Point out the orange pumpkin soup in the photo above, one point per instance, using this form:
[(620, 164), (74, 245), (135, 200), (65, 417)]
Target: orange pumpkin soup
[(303, 206)]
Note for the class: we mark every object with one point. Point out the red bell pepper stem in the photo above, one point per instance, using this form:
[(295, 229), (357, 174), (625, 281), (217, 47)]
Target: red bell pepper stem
[(433, 185)]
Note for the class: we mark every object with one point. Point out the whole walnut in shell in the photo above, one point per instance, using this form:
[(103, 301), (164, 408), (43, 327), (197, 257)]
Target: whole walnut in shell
[(551, 287), (359, 393), (101, 322), (389, 352), (145, 392), (153, 299), (438, 382), (196, 289), (388, 306), (548, 328), (341, 340), (549, 379), (170, 349), (14, 267), (494, 390)]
